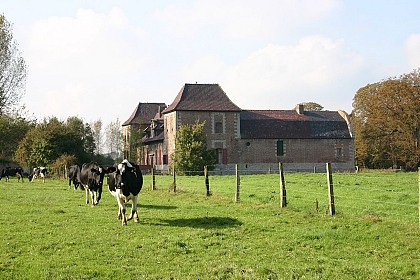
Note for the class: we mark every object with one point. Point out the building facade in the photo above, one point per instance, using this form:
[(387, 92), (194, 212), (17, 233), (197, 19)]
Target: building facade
[(257, 140)]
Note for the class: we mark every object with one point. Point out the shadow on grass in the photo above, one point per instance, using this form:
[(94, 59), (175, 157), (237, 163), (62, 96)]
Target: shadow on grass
[(204, 222), (159, 207)]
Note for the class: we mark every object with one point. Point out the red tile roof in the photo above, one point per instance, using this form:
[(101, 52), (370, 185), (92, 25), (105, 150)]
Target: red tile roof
[(287, 124), (144, 113), (201, 97)]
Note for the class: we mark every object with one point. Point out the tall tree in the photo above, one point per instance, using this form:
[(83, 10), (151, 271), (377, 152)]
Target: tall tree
[(12, 69), (191, 153), (97, 135), (114, 139), (386, 118)]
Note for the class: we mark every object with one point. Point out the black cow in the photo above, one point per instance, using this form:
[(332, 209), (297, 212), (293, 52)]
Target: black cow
[(74, 176), (38, 172), (125, 184), (92, 178), (11, 171)]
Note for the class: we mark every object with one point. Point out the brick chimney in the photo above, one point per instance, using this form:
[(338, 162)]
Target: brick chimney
[(299, 109)]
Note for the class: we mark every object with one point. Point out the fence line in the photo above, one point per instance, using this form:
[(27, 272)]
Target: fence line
[(249, 188)]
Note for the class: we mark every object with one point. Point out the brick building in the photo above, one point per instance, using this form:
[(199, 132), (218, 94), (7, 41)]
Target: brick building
[(255, 139)]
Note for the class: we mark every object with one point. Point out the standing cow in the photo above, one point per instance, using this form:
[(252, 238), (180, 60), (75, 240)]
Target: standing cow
[(11, 171), (125, 184), (92, 178), (74, 176), (38, 172)]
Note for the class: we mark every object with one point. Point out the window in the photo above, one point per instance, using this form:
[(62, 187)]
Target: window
[(280, 148), (218, 123), (218, 127)]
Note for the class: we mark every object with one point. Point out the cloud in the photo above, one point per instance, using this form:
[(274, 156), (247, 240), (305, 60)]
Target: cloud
[(87, 60), (412, 50), (239, 19), (289, 74)]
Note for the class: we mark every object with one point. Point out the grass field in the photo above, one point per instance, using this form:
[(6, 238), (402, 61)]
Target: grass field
[(48, 232)]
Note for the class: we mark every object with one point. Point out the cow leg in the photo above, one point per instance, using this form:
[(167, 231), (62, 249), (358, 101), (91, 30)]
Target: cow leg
[(124, 218), (99, 194), (93, 198), (121, 211), (133, 213), (87, 195)]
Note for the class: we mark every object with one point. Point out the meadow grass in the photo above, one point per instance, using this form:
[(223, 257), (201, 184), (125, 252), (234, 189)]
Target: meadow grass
[(48, 232)]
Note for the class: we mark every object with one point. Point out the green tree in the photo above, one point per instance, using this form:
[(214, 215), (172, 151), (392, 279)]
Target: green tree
[(191, 153), (51, 139), (12, 69), (312, 106), (12, 131), (386, 119), (135, 144)]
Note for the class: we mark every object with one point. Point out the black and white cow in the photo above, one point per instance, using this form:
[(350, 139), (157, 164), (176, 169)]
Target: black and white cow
[(38, 172), (11, 171), (74, 176), (92, 178), (125, 184)]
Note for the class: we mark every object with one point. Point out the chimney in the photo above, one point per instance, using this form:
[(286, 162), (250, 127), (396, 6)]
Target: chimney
[(299, 109)]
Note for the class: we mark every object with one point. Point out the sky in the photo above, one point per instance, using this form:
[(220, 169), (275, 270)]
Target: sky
[(97, 59)]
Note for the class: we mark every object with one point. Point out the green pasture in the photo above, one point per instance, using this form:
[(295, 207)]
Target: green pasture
[(48, 232)]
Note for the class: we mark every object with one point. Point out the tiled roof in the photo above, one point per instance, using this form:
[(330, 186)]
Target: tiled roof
[(158, 138), (287, 124), (144, 112), (201, 97)]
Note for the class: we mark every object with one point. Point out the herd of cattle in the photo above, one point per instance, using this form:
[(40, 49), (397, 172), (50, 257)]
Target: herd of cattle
[(125, 181)]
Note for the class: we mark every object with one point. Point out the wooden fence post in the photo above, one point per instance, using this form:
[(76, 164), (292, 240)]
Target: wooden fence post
[(206, 180), (174, 176), (153, 179), (283, 201), (331, 205), (238, 183)]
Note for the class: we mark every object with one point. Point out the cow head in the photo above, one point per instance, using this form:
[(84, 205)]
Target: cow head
[(125, 178)]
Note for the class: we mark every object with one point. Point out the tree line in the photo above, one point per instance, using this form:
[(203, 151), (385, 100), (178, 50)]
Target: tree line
[(386, 119), (53, 142)]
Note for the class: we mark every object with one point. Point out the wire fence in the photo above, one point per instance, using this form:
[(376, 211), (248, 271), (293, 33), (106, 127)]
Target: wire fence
[(375, 196)]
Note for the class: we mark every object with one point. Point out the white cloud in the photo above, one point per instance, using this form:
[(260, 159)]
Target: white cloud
[(412, 50), (287, 75), (239, 19), (87, 60)]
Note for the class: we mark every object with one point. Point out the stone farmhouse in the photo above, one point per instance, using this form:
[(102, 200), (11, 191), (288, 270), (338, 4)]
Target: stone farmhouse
[(257, 140)]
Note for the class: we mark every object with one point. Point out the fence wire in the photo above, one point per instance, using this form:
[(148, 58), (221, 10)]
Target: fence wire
[(385, 194)]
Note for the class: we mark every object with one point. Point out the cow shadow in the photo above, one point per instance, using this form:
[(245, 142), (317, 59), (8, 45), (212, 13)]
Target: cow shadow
[(157, 207), (202, 222)]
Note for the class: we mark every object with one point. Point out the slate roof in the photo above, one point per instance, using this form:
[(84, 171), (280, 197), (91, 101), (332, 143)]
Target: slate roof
[(202, 97), (144, 113), (288, 124)]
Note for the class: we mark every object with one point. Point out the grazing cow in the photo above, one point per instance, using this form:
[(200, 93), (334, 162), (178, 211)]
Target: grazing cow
[(125, 184), (92, 178), (38, 172), (74, 176), (11, 171)]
